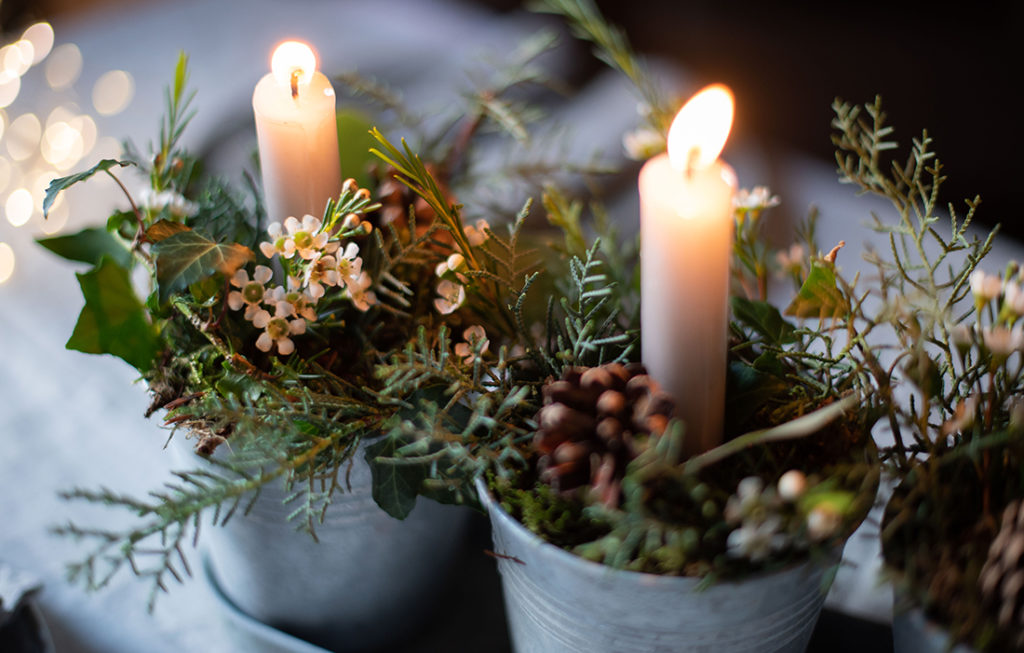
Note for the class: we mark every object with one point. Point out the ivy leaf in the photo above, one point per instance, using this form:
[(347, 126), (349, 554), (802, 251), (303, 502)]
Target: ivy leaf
[(162, 229), (748, 388), (241, 386), (819, 296), (113, 320), (187, 257), (89, 246), (57, 185), (395, 486), (764, 319)]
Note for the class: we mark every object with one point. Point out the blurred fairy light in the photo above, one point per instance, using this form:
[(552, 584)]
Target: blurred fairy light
[(63, 66), (6, 262), (10, 86), (40, 36), (112, 92), (6, 170), (35, 150), (22, 138), (18, 207)]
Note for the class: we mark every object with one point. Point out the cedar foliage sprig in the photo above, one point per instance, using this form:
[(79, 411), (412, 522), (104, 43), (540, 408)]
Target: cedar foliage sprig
[(923, 279)]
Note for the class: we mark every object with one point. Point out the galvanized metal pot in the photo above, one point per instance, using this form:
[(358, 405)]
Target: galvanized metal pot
[(368, 583), (913, 632), (558, 602)]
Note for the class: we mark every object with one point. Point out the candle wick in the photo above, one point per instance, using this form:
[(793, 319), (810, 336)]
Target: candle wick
[(691, 160), (295, 83)]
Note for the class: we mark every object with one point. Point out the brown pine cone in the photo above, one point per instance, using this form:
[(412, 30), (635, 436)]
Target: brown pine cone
[(589, 427), (396, 198), (1002, 577)]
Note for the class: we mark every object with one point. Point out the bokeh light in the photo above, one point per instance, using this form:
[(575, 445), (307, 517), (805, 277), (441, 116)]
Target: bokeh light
[(6, 172), (10, 86), (86, 126), (6, 262), (19, 207), (22, 137), (112, 92), (16, 58), (63, 66), (40, 36)]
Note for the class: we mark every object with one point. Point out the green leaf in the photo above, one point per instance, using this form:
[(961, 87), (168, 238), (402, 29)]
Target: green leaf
[(162, 229), (819, 296), (747, 389), (57, 185), (113, 320), (395, 484), (187, 257), (89, 246), (241, 386), (180, 76), (118, 220), (764, 319), (354, 144)]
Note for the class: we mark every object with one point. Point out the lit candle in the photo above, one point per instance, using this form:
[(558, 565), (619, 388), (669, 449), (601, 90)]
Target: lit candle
[(686, 226), (297, 134)]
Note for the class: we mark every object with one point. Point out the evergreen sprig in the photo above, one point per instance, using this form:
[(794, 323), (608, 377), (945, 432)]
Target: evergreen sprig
[(612, 47)]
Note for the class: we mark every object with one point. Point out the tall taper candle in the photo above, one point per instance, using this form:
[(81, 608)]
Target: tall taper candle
[(297, 134), (686, 228)]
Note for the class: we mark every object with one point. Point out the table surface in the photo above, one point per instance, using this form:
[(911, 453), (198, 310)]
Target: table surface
[(73, 420)]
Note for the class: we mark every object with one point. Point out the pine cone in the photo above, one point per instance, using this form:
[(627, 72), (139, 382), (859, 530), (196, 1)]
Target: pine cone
[(1002, 577), (590, 424), (396, 198)]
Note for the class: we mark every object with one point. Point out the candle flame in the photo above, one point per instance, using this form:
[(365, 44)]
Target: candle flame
[(293, 64), (700, 129)]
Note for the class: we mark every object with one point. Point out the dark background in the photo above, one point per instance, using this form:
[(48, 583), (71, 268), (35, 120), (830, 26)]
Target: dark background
[(952, 69)]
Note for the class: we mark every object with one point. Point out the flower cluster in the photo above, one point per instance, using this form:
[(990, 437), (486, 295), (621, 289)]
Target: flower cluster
[(314, 259), (755, 200), (996, 336), (1001, 301), (475, 345), (768, 520), (175, 203)]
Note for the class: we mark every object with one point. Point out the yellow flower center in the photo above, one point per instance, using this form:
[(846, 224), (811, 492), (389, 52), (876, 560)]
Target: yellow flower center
[(303, 239), (253, 292), (277, 328)]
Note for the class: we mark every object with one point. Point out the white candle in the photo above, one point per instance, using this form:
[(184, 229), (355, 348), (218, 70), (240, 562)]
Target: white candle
[(686, 227), (297, 134)]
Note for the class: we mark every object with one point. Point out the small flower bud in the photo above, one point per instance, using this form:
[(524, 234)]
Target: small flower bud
[(792, 485), (367, 228), (455, 262), (985, 287), (364, 193), (823, 521), (351, 222), (349, 185)]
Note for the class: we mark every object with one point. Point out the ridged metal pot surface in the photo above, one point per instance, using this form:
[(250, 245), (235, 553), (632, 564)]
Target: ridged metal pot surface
[(368, 583), (912, 632), (557, 602)]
